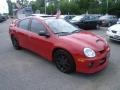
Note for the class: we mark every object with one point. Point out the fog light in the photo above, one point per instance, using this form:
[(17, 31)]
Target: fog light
[(90, 64)]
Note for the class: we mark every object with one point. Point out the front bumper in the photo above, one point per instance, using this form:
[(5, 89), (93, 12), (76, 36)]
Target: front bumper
[(113, 36), (93, 65)]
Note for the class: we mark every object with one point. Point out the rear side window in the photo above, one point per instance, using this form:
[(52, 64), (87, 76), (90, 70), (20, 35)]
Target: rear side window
[(87, 18), (24, 24), (37, 26)]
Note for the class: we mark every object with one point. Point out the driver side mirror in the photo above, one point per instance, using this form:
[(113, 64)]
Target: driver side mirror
[(44, 33)]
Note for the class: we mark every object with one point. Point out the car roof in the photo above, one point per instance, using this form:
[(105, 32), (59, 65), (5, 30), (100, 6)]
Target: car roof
[(41, 18), (42, 15)]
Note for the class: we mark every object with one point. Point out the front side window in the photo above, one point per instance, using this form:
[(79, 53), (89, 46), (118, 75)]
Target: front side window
[(24, 24), (37, 26)]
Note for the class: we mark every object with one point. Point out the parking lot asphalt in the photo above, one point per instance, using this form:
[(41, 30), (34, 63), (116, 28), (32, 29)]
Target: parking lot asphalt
[(24, 70)]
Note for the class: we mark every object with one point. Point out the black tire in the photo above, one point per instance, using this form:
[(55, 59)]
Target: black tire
[(97, 26), (15, 43), (64, 61), (109, 24)]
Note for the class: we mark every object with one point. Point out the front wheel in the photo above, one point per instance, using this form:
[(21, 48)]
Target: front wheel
[(64, 61)]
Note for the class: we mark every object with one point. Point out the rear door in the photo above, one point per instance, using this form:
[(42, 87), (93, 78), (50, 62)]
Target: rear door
[(23, 32)]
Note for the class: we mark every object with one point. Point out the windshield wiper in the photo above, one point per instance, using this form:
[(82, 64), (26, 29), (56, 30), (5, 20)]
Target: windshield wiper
[(63, 33), (76, 31)]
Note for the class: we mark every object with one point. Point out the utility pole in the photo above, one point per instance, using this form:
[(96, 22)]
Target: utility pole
[(58, 8), (107, 6), (45, 5)]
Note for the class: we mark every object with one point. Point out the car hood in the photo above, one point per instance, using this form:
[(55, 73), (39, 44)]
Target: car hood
[(86, 40), (115, 27), (74, 21)]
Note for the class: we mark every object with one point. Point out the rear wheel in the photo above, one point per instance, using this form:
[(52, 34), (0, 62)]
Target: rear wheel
[(109, 24), (98, 26), (64, 61), (15, 43)]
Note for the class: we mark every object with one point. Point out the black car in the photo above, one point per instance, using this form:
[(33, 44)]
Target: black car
[(2, 18), (67, 17), (108, 20), (85, 21)]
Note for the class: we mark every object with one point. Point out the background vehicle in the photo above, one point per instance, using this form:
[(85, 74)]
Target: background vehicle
[(118, 22), (108, 20), (2, 18), (5, 15), (114, 32), (67, 17), (85, 21)]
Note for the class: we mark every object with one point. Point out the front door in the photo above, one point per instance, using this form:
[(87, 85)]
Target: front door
[(40, 44)]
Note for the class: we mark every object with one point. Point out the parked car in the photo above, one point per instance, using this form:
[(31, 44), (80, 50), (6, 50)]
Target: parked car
[(118, 22), (108, 20), (5, 15), (67, 17), (113, 32), (2, 18), (71, 48), (85, 21)]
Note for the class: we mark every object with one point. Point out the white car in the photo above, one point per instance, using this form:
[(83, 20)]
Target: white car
[(113, 32), (118, 22)]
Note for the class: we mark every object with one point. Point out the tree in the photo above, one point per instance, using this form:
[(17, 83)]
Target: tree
[(80, 6)]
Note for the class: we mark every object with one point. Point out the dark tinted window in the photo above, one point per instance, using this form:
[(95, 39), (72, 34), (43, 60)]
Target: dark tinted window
[(24, 24), (89, 17), (36, 26)]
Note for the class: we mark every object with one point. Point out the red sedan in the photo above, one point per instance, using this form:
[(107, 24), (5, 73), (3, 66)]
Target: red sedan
[(70, 48)]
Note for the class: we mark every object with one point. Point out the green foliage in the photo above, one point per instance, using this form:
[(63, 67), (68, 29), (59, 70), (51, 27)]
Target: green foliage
[(78, 6), (10, 7)]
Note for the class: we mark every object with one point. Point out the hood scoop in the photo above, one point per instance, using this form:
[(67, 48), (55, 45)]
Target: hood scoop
[(101, 45)]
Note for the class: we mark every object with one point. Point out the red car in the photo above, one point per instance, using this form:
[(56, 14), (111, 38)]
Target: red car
[(70, 48)]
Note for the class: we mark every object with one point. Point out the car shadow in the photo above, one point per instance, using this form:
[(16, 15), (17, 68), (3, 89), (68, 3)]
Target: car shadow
[(113, 41), (109, 71), (34, 54)]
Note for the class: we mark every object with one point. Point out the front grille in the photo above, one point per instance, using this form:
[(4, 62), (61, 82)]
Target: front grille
[(114, 31), (102, 61), (102, 51), (116, 37)]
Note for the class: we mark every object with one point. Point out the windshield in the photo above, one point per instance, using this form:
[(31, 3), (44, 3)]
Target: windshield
[(77, 18), (61, 26), (106, 17)]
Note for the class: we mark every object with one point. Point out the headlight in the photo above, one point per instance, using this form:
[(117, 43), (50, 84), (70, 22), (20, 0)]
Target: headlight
[(89, 52)]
